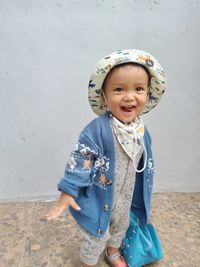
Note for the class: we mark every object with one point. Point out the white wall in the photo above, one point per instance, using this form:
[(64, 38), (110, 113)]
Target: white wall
[(47, 50)]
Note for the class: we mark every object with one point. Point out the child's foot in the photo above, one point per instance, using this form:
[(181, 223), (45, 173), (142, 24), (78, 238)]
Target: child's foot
[(114, 258)]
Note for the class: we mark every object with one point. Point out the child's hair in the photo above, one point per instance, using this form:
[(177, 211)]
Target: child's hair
[(126, 64)]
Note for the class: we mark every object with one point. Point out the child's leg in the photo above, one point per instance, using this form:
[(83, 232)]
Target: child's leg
[(119, 224), (92, 247)]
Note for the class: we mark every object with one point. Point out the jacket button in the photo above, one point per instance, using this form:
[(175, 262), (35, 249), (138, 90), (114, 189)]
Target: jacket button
[(109, 182), (106, 207), (99, 231)]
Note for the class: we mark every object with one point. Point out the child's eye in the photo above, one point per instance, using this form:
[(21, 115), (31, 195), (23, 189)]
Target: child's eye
[(118, 90), (140, 89)]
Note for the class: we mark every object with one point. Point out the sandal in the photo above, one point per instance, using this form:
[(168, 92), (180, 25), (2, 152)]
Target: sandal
[(110, 259)]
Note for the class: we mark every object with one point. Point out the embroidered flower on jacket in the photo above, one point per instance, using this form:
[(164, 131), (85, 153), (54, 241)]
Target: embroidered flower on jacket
[(102, 179), (86, 164)]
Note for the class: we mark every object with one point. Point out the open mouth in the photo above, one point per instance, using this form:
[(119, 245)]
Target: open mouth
[(127, 108)]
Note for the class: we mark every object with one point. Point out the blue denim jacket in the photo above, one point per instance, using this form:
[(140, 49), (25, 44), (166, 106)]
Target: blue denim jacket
[(89, 178)]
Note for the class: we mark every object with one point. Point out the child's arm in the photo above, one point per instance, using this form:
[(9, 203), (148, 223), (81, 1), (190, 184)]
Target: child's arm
[(64, 201), (77, 175)]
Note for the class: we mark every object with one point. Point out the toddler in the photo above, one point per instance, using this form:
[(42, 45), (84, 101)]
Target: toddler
[(110, 170)]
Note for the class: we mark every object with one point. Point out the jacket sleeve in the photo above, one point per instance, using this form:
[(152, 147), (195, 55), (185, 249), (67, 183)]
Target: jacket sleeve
[(79, 167)]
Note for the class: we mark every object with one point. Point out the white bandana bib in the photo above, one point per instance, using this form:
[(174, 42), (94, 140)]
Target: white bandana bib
[(130, 137)]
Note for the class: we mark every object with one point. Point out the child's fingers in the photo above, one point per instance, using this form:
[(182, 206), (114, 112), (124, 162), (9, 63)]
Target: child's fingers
[(55, 212), (58, 209), (73, 204)]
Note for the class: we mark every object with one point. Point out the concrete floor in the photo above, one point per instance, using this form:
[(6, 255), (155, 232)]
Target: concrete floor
[(28, 240)]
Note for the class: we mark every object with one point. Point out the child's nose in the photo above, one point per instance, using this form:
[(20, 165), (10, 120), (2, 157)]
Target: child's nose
[(129, 96)]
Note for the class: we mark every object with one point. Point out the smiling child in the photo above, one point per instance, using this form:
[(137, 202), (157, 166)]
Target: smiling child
[(110, 170)]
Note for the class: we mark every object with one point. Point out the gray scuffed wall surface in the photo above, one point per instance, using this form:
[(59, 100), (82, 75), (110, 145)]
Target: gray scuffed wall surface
[(47, 51)]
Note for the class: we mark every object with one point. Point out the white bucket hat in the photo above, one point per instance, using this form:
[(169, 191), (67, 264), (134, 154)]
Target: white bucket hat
[(157, 82)]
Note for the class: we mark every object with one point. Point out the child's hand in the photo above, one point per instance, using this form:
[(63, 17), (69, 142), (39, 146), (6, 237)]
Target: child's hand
[(64, 201)]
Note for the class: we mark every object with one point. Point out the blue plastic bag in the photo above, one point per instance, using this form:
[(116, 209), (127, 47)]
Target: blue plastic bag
[(141, 245)]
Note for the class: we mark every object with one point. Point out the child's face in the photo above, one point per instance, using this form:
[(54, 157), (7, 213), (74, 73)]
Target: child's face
[(126, 91)]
